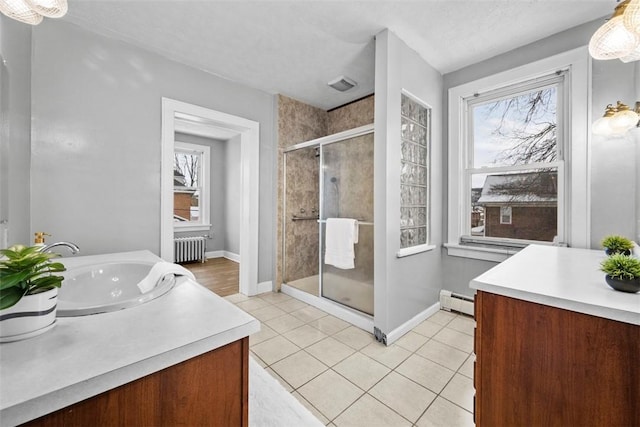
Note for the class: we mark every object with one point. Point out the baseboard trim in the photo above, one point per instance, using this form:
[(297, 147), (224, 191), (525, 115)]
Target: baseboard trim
[(223, 254), (214, 254), (357, 319), (264, 287), (398, 332)]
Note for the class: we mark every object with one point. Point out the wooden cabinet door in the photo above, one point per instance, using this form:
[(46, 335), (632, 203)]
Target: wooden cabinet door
[(542, 366), (208, 390)]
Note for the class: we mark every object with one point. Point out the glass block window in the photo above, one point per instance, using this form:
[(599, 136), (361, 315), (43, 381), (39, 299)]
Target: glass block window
[(414, 175)]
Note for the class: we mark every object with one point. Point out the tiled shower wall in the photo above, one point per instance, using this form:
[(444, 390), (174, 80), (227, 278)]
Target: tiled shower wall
[(301, 192), (299, 122)]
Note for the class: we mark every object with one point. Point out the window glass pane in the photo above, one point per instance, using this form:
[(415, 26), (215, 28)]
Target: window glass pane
[(186, 169), (516, 130), (187, 186), (505, 214), (414, 172), (413, 237), (517, 205), (194, 211)]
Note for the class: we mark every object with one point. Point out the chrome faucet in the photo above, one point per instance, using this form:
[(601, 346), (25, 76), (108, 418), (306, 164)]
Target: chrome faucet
[(72, 247)]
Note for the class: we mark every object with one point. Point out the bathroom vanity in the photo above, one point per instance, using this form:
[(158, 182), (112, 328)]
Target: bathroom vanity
[(554, 344), (180, 359)]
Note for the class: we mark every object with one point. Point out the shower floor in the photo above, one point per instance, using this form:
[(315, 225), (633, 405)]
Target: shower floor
[(346, 291)]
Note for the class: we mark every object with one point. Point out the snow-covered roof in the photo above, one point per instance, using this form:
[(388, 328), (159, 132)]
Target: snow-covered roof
[(520, 188)]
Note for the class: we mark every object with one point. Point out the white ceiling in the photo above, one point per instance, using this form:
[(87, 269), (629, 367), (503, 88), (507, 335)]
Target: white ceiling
[(296, 47)]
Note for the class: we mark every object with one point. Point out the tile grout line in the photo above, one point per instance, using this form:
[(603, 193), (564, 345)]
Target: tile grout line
[(365, 392)]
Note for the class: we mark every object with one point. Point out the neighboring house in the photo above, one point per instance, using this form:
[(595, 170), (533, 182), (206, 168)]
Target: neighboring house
[(521, 205), (181, 198), (477, 213)]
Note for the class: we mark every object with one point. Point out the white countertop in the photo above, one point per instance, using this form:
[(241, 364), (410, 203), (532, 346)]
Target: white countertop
[(84, 356), (566, 278)]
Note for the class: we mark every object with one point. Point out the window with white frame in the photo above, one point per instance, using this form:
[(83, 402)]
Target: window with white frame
[(505, 215), (515, 177), (191, 186), (415, 140), (513, 157)]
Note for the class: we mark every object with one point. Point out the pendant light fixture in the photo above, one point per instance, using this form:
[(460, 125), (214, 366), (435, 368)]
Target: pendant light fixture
[(49, 8), (619, 37), (33, 11), (617, 120), (631, 16)]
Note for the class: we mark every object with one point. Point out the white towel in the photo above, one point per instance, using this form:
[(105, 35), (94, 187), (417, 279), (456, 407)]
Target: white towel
[(159, 271), (342, 234)]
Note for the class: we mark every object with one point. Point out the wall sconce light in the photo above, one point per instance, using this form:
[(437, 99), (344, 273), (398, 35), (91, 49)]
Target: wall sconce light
[(33, 11), (619, 37), (617, 120)]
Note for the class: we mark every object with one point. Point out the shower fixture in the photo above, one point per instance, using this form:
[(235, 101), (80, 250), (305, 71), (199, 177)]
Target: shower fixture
[(334, 181)]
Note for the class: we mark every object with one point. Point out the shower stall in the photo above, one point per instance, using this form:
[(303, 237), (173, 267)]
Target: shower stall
[(330, 177)]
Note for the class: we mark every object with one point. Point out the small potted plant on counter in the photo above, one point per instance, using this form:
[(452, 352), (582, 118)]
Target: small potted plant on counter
[(622, 272), (28, 291), (614, 244)]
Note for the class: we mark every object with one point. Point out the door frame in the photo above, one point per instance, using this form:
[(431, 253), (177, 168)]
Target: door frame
[(249, 132)]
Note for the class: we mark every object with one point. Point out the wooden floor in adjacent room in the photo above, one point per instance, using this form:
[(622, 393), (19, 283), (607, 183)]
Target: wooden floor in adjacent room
[(219, 275)]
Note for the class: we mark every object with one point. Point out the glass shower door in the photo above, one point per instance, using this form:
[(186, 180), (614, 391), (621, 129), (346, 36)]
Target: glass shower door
[(347, 192)]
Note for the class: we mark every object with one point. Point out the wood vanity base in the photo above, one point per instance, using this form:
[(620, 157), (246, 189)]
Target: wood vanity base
[(543, 366), (208, 390)]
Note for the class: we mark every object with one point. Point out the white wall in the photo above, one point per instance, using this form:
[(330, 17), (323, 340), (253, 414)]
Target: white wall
[(96, 108), (612, 161), (613, 165), (636, 135), (404, 287), (15, 129)]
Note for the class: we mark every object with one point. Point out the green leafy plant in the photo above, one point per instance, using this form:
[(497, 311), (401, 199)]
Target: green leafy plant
[(617, 244), (621, 267), (24, 270)]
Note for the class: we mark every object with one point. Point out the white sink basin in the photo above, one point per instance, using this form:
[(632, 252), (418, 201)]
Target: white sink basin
[(107, 286)]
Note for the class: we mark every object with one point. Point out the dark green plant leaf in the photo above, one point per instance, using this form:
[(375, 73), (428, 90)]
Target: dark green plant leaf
[(45, 283), (13, 279), (9, 297), (26, 270), (621, 267), (56, 267)]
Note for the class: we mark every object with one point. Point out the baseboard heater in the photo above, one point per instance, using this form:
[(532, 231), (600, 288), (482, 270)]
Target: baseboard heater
[(450, 301), (190, 249)]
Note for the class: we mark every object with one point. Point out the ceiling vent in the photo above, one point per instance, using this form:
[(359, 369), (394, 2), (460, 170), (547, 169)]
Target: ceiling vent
[(342, 83)]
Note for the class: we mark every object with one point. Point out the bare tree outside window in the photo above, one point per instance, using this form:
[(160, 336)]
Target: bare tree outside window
[(508, 135), (188, 166), (187, 186), (518, 130)]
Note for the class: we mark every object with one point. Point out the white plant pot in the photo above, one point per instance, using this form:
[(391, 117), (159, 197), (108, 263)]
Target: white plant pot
[(31, 316)]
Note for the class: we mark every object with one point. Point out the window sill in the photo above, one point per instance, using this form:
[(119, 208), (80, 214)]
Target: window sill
[(476, 252), (414, 250), (191, 227)]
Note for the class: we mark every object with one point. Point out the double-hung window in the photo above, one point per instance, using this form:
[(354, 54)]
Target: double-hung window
[(191, 187), (517, 159)]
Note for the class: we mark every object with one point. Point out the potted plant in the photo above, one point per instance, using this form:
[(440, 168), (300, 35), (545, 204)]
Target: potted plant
[(614, 244), (622, 272), (28, 291)]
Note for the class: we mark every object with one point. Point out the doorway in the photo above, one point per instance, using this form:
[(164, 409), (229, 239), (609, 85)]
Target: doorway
[(246, 133)]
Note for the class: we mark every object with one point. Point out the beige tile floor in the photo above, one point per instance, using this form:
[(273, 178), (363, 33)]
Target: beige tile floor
[(346, 378)]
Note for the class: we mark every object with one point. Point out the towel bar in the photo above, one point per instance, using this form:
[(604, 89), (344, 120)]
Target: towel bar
[(303, 218), (322, 221)]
